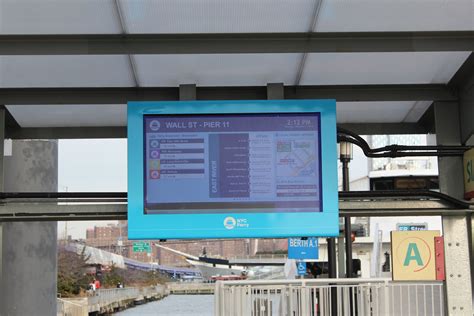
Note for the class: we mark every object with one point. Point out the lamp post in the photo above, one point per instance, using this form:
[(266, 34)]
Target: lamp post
[(345, 156), (120, 239)]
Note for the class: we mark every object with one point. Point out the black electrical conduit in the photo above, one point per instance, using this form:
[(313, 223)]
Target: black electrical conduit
[(390, 151), (393, 151)]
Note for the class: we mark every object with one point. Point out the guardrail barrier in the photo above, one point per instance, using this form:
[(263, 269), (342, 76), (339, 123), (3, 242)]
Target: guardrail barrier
[(319, 297)]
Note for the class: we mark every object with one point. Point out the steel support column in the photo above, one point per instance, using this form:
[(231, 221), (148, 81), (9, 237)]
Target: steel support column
[(341, 265), (2, 142), (332, 272), (455, 228), (347, 219)]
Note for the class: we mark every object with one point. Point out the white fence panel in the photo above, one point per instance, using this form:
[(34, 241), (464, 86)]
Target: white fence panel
[(371, 297)]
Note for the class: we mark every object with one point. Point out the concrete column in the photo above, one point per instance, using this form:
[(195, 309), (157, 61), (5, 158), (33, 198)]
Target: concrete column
[(29, 254), (455, 228)]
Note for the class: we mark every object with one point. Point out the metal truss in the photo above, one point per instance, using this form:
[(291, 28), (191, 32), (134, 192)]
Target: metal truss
[(113, 206)]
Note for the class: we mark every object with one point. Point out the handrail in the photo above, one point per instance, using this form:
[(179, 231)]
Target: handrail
[(321, 296), (303, 281)]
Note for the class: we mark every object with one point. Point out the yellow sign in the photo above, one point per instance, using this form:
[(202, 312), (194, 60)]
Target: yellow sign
[(413, 255), (469, 174)]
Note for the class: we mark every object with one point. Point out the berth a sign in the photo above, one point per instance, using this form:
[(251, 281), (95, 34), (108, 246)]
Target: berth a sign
[(303, 248)]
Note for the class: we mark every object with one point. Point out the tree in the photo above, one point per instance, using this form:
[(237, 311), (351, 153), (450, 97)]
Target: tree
[(72, 276)]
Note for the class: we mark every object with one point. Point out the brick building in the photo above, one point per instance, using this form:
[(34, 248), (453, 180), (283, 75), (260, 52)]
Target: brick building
[(113, 238)]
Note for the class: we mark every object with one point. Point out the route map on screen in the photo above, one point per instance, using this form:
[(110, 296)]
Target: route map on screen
[(244, 163)]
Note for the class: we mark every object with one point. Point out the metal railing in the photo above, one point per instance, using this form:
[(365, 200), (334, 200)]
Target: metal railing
[(260, 256), (103, 298), (109, 296), (190, 288), (68, 308), (320, 297)]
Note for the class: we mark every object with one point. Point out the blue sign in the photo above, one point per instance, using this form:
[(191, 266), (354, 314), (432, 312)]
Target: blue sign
[(232, 169), (412, 226), (301, 267), (299, 248)]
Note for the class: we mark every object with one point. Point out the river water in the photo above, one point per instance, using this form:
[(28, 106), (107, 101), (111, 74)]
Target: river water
[(175, 305)]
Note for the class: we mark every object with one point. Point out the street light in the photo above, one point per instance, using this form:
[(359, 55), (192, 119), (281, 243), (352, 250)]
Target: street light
[(345, 151)]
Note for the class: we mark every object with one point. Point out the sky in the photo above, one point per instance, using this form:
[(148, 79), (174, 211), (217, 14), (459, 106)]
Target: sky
[(91, 165)]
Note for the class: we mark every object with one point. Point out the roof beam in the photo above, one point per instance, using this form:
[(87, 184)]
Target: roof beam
[(464, 74), (384, 128), (230, 43), (66, 132), (361, 203), (37, 96), (121, 131)]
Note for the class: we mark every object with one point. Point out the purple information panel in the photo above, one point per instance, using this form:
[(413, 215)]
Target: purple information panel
[(246, 163)]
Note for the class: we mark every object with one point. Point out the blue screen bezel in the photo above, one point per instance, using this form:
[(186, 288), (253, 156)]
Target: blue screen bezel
[(247, 225)]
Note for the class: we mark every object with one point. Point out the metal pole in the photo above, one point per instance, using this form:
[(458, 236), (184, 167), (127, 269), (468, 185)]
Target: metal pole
[(332, 258), (341, 257), (332, 272), (345, 155), (347, 219)]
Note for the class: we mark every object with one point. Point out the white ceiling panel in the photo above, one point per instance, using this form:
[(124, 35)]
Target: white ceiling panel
[(381, 68), (116, 115), (65, 71), (58, 17), (395, 15), (69, 115), (217, 16), (416, 112), (224, 16), (373, 112), (216, 70)]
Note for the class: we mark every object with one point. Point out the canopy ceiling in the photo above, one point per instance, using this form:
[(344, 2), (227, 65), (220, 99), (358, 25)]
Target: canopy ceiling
[(128, 17)]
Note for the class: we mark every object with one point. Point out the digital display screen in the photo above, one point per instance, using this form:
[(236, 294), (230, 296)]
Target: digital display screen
[(232, 169), (243, 163)]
